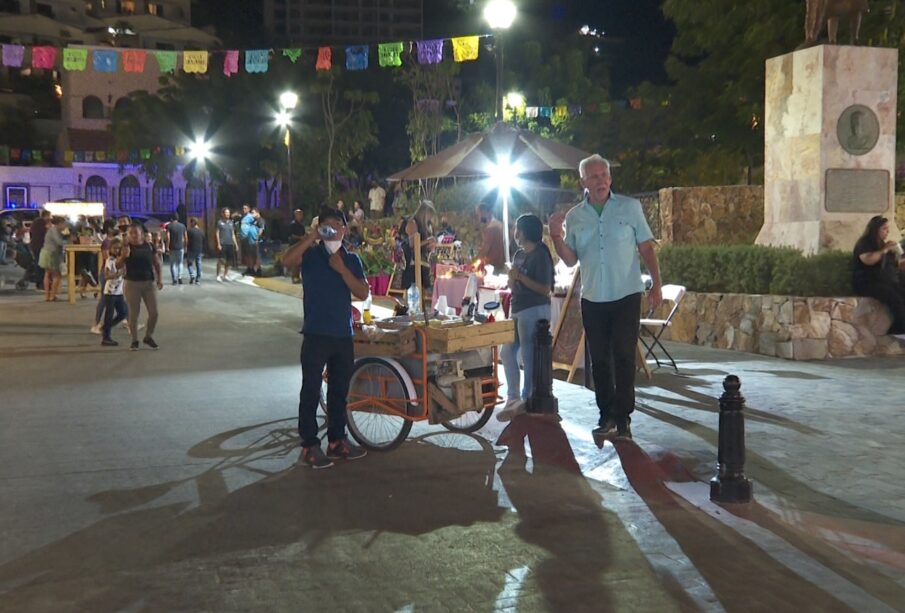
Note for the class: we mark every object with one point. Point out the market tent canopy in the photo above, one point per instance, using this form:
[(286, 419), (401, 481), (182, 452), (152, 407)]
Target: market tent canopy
[(477, 155)]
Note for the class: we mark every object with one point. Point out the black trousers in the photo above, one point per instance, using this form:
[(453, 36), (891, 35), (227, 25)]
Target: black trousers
[(890, 294), (611, 335), (337, 355)]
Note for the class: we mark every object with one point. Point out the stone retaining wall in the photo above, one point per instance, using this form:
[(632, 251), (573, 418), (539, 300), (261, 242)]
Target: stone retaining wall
[(731, 214), (785, 326)]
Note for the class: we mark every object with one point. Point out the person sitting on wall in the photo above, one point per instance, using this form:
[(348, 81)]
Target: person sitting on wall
[(875, 270)]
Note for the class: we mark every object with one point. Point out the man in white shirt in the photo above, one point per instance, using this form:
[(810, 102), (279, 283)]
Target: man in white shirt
[(377, 197)]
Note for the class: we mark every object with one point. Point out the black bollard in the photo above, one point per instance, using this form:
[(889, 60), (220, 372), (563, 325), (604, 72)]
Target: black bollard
[(541, 400), (730, 484)]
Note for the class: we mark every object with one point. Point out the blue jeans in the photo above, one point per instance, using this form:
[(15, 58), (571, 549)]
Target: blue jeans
[(525, 331), (194, 259), (113, 303), (176, 257)]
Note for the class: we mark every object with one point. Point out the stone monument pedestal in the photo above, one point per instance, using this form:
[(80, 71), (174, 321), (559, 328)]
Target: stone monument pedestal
[(830, 146)]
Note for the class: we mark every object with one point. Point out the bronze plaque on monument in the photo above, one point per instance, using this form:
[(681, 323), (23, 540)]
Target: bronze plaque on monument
[(858, 129), (853, 190)]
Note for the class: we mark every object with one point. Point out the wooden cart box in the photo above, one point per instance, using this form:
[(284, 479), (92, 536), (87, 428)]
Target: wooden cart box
[(474, 336), (388, 343)]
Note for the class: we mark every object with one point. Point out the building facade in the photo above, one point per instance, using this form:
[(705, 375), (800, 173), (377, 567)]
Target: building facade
[(337, 22)]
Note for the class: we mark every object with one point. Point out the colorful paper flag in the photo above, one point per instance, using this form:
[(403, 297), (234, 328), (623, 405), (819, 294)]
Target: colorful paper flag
[(324, 58), (75, 59), (256, 60), (231, 63), (357, 57), (292, 54), (100, 156), (531, 112), (561, 112), (134, 60), (465, 48), (194, 61), (430, 51), (546, 111), (13, 55), (105, 61), (390, 54), (145, 154), (43, 57), (166, 61), (68, 156)]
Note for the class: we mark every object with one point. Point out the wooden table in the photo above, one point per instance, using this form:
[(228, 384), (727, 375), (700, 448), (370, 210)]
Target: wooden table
[(71, 251)]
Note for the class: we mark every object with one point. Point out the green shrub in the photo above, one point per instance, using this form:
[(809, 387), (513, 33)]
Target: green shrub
[(753, 269)]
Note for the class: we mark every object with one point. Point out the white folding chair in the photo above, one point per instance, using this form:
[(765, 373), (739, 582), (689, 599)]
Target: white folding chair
[(652, 329)]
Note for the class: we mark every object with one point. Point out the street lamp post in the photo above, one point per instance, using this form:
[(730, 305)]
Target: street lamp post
[(199, 151), (499, 15), (288, 101)]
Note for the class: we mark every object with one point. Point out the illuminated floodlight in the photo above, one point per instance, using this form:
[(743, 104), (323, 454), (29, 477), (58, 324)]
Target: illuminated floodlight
[(199, 150), (284, 119), (74, 208), (504, 175), (515, 100), (288, 100), (500, 14)]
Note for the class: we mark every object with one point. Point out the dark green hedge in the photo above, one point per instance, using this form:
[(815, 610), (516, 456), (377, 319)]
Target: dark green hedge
[(752, 269)]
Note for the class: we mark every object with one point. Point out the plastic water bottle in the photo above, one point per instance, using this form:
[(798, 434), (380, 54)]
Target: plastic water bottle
[(414, 300)]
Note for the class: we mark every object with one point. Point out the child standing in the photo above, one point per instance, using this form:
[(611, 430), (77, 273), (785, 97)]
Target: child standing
[(113, 293)]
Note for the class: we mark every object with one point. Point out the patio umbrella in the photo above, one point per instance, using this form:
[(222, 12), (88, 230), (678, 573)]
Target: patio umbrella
[(503, 153)]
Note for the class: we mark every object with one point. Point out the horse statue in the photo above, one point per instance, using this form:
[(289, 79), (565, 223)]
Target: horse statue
[(830, 12)]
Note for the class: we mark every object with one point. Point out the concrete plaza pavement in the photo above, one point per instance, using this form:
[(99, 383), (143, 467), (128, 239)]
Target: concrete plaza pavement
[(168, 481)]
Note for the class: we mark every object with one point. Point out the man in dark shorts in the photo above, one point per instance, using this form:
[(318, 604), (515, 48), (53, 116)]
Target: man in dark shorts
[(194, 251), (330, 276), (226, 245)]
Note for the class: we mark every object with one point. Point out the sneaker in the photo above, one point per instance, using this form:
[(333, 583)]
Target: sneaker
[(109, 342), (150, 343), (97, 329), (511, 409), (219, 278), (344, 450), (191, 280), (607, 429), (315, 458), (174, 281), (624, 432), (133, 346), (180, 281)]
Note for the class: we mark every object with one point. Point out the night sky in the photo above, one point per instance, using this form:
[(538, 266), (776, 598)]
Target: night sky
[(636, 43)]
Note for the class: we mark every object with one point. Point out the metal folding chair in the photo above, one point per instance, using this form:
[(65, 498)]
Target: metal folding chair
[(652, 329)]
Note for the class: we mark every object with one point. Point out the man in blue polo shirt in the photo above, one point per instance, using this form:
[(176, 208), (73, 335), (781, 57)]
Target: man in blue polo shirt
[(330, 276), (606, 233)]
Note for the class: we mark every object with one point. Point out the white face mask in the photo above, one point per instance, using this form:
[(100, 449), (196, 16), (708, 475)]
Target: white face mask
[(333, 246)]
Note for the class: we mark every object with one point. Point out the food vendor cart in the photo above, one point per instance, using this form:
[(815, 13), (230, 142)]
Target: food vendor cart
[(415, 368)]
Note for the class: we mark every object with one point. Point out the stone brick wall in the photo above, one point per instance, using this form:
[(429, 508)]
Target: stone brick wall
[(711, 215), (900, 212), (786, 326)]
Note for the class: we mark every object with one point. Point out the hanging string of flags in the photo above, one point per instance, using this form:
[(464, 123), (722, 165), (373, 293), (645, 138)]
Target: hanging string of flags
[(257, 61), (27, 157)]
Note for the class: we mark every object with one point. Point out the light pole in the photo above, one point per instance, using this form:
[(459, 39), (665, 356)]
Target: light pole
[(499, 15), (199, 151), (288, 101), (504, 175)]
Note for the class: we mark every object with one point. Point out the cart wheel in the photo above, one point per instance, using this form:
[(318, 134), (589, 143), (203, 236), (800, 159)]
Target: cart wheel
[(378, 398), (469, 422)]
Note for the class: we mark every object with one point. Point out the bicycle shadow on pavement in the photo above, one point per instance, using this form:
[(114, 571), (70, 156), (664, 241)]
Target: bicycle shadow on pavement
[(292, 524)]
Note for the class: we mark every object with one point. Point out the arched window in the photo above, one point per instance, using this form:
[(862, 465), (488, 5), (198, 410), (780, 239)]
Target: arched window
[(163, 196), (122, 104), (195, 196), (92, 108), (129, 194), (96, 189)]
